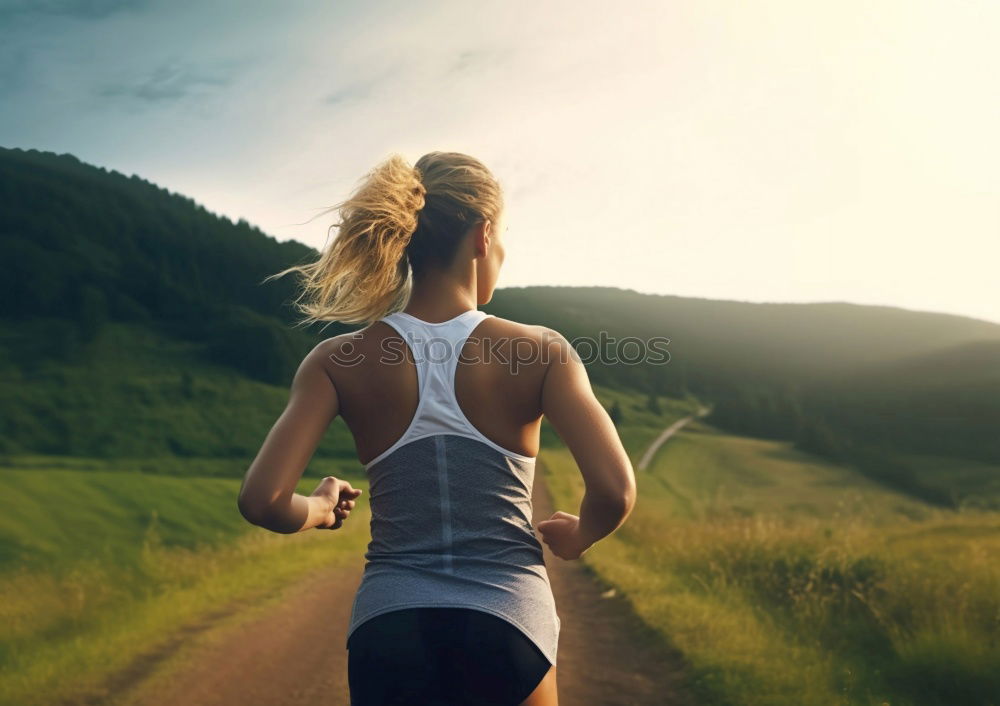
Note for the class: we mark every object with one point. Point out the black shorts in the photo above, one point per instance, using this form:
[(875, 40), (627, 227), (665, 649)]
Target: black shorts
[(439, 656)]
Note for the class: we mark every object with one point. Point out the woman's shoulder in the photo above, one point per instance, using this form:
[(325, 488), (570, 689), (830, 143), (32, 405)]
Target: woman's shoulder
[(538, 336), (517, 327), (350, 348)]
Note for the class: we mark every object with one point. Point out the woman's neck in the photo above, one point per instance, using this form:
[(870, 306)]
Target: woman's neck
[(440, 296)]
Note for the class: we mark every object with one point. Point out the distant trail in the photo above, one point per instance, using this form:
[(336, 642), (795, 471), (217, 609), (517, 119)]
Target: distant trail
[(666, 434)]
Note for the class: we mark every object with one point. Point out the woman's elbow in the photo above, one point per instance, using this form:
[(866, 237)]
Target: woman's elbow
[(630, 496), (253, 511), (628, 492)]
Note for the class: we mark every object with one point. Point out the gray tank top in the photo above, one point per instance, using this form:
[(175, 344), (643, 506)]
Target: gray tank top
[(451, 522)]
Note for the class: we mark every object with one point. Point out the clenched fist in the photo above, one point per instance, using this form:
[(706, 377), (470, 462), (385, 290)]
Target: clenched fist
[(341, 496), (562, 533)]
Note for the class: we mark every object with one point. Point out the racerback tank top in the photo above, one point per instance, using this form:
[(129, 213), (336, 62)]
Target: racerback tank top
[(451, 511)]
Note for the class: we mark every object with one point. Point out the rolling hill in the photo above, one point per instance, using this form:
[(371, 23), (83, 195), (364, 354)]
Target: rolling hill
[(133, 321)]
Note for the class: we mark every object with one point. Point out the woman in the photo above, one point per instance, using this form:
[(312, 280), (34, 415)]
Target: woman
[(455, 606)]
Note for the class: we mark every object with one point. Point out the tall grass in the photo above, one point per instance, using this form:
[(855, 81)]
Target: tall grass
[(785, 580)]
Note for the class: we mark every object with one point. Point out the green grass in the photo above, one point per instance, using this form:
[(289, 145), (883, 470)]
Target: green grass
[(785, 579), (103, 566), (133, 394)]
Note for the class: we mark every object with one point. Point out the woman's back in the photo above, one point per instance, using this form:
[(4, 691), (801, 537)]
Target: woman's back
[(498, 382), (451, 500)]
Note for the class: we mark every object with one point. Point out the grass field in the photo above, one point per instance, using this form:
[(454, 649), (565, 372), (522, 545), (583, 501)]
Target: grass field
[(785, 579), (106, 559), (782, 578), (106, 556), (102, 566)]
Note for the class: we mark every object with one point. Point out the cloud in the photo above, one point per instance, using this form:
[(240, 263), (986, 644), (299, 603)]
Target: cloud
[(80, 9), (172, 80), (471, 60), (349, 93)]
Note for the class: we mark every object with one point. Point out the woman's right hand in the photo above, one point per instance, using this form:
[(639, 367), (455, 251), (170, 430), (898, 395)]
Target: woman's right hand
[(562, 533)]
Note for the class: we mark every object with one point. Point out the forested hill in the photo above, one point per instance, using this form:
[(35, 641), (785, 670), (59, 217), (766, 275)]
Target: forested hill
[(86, 245), (98, 264), (858, 384), (722, 340)]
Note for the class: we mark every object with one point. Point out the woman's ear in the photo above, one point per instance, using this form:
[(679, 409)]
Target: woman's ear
[(482, 239)]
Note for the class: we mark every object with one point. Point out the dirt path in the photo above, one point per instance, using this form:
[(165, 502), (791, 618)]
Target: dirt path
[(293, 652), (607, 656), (666, 434)]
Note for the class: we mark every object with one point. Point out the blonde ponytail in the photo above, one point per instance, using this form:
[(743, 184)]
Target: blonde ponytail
[(401, 219), (364, 274)]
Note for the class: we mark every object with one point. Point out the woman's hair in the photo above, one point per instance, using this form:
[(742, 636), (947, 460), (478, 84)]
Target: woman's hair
[(400, 218)]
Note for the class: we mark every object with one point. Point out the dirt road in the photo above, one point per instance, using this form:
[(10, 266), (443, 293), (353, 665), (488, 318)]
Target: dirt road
[(293, 652)]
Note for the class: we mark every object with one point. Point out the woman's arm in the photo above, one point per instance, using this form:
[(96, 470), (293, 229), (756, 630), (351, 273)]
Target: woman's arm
[(580, 420), (267, 497)]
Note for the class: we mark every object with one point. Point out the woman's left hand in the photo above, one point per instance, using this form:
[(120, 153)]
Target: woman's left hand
[(339, 497)]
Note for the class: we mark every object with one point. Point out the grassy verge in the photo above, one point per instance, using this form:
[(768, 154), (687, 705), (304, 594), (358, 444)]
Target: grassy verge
[(106, 566), (788, 580)]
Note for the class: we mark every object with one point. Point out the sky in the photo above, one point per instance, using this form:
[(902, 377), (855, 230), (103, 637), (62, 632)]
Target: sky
[(767, 151)]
